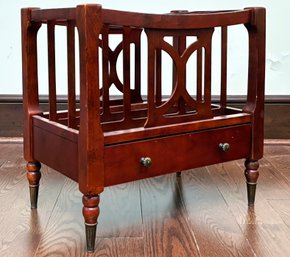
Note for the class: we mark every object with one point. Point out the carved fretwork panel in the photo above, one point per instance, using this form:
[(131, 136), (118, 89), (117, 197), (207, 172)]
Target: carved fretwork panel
[(180, 106), (131, 92)]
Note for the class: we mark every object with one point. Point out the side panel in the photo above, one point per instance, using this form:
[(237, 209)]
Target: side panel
[(56, 151)]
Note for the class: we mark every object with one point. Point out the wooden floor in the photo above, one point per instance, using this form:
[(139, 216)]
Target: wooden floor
[(203, 213)]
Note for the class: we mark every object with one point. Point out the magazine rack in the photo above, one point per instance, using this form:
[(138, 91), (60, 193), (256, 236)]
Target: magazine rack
[(100, 140)]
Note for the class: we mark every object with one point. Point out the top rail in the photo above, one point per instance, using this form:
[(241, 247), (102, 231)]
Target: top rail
[(174, 20), (184, 20), (60, 14)]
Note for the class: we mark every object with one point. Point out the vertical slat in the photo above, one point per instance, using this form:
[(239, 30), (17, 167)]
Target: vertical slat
[(151, 77), (51, 70), (179, 43), (199, 74), (207, 74), (106, 79), (126, 73), (137, 65), (158, 69), (174, 76), (71, 75), (224, 53)]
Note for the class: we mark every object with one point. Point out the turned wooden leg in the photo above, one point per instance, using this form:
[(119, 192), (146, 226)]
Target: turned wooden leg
[(91, 212), (252, 175), (33, 176)]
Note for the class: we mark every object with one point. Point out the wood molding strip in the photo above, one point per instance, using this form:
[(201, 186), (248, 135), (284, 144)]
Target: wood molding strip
[(273, 99)]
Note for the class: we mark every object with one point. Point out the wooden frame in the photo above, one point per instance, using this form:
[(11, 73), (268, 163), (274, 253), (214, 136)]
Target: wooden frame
[(106, 142)]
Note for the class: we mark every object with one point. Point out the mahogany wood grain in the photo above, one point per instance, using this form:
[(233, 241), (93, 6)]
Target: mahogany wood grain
[(65, 162), (256, 79), (107, 142), (224, 67), (71, 75), (165, 160), (177, 20), (30, 78), (91, 139), (51, 70)]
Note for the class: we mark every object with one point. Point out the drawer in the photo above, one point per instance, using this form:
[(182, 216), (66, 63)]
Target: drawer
[(175, 153)]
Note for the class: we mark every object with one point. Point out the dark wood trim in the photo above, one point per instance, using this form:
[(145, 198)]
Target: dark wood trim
[(273, 99), (277, 114)]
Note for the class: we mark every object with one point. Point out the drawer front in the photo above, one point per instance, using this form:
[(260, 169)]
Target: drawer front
[(175, 153)]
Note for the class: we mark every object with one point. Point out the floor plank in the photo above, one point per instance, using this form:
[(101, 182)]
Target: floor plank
[(230, 180), (262, 225), (204, 213), (210, 219), (282, 164), (119, 229), (166, 228), (268, 240), (24, 227), (120, 211)]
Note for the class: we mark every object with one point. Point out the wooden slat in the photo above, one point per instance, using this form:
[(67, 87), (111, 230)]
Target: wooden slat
[(179, 43), (199, 78), (207, 71), (106, 74), (126, 73), (158, 74), (137, 89), (51, 70), (71, 75), (224, 55), (151, 74)]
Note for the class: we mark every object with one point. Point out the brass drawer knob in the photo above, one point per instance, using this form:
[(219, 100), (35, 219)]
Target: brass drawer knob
[(224, 147), (146, 161)]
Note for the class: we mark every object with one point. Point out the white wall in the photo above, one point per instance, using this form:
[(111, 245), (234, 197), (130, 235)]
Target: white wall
[(278, 36)]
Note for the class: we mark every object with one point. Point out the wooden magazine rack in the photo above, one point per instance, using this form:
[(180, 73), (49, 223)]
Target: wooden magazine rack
[(99, 140)]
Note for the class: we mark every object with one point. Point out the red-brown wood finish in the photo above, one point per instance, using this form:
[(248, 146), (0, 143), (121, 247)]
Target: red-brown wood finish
[(111, 141)]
